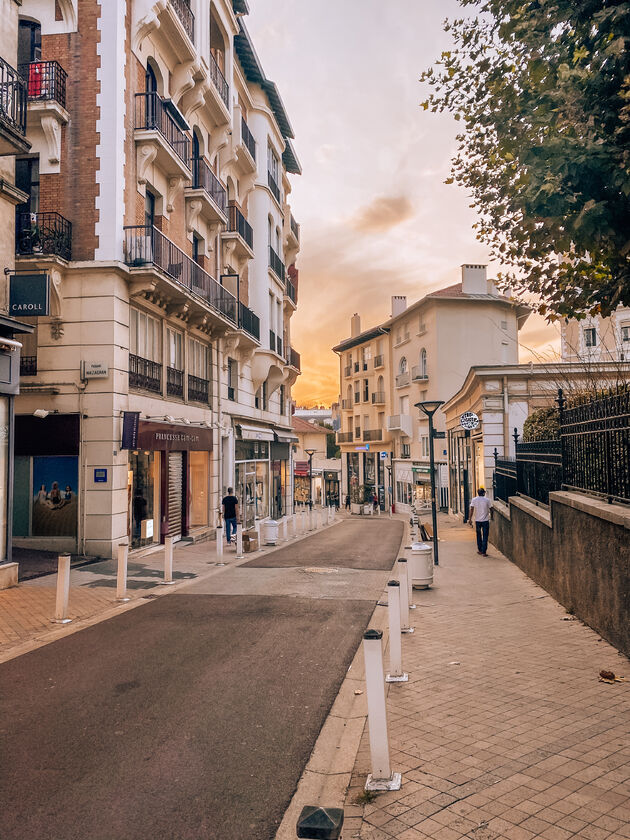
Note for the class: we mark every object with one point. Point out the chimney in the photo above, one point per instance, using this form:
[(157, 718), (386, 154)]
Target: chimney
[(355, 325), (399, 304), (474, 280)]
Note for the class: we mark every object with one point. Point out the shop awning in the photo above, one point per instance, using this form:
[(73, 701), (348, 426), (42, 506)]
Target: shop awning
[(254, 432), (285, 437)]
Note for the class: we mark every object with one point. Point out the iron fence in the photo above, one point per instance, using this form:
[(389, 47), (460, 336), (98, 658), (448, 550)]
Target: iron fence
[(198, 389), (13, 98), (248, 321), (237, 223), (504, 477), (46, 81), (144, 373), (218, 80), (153, 114), (186, 16), (43, 233), (539, 468), (248, 138), (204, 178)]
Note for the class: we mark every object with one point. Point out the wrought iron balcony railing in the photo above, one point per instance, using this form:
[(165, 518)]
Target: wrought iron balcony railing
[(291, 292), (174, 382), (13, 98), (294, 359), (276, 265), (273, 186), (248, 138), (272, 340), (198, 389), (218, 80), (248, 321), (347, 371), (46, 81), (28, 365), (237, 223), (378, 398), (205, 179), (145, 245), (43, 233), (372, 434), (419, 373), (344, 437), (145, 374), (295, 228), (403, 379), (153, 115), (379, 361), (187, 18)]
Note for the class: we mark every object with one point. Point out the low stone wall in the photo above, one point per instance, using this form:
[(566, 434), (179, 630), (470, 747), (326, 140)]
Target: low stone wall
[(578, 551)]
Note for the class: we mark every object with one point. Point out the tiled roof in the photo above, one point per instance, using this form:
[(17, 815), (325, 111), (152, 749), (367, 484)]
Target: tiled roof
[(304, 427)]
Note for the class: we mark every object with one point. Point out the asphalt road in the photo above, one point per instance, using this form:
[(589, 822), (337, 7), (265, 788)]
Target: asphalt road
[(192, 716)]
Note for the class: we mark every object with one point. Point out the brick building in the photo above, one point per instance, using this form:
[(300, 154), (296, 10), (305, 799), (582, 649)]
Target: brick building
[(157, 205)]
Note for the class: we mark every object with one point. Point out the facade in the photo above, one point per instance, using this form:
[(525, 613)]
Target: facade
[(325, 472), (422, 352), (157, 204), (597, 339)]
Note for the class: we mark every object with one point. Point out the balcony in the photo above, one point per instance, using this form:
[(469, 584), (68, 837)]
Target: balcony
[(186, 17), (290, 293), (403, 379), (248, 139), (344, 437), (160, 137), (198, 389), (46, 88), (43, 233), (379, 361), (357, 432), (218, 80), (174, 382), (419, 374), (295, 228), (372, 435), (145, 374), (293, 359), (146, 246), (356, 367), (46, 81), (378, 398), (239, 234), (272, 340), (13, 99), (206, 181), (28, 365), (402, 338), (400, 423), (248, 321), (346, 405), (347, 371), (273, 186), (276, 265)]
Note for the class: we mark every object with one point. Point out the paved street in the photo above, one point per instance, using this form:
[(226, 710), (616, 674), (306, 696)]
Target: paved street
[(503, 730), (194, 714)]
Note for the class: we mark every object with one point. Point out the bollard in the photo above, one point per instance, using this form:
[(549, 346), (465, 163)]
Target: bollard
[(396, 673), (412, 606), (403, 571), (311, 520), (294, 527), (168, 562), (381, 777), (320, 823), (219, 542), (239, 543), (257, 529), (63, 590), (378, 510), (121, 577)]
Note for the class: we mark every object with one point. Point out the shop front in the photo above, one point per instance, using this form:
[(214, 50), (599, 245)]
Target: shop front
[(262, 459), (421, 486), (369, 475), (461, 468), (168, 482), (331, 484)]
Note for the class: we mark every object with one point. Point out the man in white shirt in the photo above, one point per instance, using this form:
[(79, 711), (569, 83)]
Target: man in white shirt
[(481, 507)]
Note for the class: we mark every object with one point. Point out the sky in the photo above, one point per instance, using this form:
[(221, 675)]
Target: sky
[(376, 218)]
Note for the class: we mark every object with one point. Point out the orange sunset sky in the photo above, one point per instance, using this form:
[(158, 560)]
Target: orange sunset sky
[(376, 217)]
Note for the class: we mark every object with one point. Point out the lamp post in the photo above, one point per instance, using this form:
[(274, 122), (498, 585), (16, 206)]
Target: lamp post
[(429, 407), (310, 453), (389, 489)]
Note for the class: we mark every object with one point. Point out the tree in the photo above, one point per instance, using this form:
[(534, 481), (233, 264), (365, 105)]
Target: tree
[(543, 90), (333, 450)]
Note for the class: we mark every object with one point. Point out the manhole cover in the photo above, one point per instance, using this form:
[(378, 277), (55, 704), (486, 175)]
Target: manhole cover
[(317, 570)]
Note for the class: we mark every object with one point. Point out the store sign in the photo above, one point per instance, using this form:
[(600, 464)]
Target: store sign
[(131, 421), (365, 448), (419, 469), (169, 437), (469, 420), (29, 294), (439, 435), (300, 468)]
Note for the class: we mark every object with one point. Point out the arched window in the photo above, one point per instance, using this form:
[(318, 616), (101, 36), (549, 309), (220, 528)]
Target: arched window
[(380, 385), (402, 365), (423, 363), (349, 396), (150, 78)]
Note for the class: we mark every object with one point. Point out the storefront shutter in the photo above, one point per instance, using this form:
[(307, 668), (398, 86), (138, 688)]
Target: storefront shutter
[(175, 490)]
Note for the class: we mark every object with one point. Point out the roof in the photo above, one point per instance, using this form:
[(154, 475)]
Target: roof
[(374, 332), (304, 427), (240, 7), (289, 158)]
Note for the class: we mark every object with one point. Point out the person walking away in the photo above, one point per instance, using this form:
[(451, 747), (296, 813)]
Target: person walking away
[(481, 507), (230, 514), (347, 502)]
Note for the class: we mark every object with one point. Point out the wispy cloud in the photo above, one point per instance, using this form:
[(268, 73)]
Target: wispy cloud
[(383, 213)]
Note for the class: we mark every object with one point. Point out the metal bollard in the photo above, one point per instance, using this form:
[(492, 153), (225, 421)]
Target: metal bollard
[(403, 571), (319, 823), (219, 542), (239, 543), (63, 590), (168, 562), (381, 777), (121, 577), (396, 673)]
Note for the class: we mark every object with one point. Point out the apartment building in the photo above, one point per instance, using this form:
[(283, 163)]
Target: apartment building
[(422, 352), (156, 210), (597, 339)]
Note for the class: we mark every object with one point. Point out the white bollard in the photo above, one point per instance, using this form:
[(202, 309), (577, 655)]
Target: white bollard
[(381, 777), (412, 606), (396, 673), (168, 562), (403, 571), (285, 530), (378, 509), (121, 577), (239, 542), (257, 528), (294, 525), (311, 519), (63, 590), (219, 542)]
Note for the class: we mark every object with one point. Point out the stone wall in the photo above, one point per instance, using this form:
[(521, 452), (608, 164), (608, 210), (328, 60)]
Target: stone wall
[(578, 551)]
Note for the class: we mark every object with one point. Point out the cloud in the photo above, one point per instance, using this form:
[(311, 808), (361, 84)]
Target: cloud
[(383, 213)]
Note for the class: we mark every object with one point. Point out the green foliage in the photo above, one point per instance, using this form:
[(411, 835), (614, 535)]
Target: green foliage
[(332, 450), (542, 424), (542, 89)]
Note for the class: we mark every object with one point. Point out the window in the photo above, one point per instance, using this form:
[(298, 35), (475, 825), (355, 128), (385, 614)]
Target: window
[(357, 396), (366, 422), (423, 363), (257, 399), (405, 450), (145, 336), (175, 346), (403, 403), (27, 180), (402, 365), (424, 440), (281, 398), (265, 398), (198, 359), (197, 248), (232, 378), (625, 332), (29, 42), (273, 165), (149, 209), (590, 337), (366, 390)]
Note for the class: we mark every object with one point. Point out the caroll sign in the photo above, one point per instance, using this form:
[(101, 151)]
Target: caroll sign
[(29, 295), (469, 420)]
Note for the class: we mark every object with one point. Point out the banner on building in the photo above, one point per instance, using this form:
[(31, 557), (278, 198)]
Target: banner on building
[(131, 421)]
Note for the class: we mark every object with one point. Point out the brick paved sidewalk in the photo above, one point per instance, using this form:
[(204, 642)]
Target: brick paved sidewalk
[(503, 730)]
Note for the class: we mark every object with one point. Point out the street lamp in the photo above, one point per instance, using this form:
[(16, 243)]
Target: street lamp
[(429, 407), (389, 489), (310, 453)]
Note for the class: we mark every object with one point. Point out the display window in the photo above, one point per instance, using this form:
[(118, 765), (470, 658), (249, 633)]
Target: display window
[(199, 464), (262, 489), (143, 489)]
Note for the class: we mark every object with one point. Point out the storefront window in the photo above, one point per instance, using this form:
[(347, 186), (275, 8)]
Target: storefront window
[(144, 486), (199, 463), (262, 489), (246, 491), (4, 473)]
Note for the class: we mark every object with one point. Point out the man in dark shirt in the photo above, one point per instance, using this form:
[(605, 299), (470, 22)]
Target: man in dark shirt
[(230, 514)]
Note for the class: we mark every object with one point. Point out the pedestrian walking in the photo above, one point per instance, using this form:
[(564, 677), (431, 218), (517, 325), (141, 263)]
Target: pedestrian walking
[(230, 514), (481, 508), (347, 502)]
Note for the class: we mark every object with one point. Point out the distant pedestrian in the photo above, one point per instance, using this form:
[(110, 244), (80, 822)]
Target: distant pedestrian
[(375, 502), (481, 507), (347, 502), (230, 514)]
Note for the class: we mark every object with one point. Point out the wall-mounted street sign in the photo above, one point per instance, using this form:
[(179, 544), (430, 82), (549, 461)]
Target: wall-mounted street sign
[(29, 294), (383, 456), (94, 370), (469, 420), (439, 435), (100, 475)]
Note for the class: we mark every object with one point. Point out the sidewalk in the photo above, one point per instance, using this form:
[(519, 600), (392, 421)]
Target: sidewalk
[(503, 730)]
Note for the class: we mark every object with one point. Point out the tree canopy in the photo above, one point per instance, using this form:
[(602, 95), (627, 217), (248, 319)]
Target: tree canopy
[(542, 89)]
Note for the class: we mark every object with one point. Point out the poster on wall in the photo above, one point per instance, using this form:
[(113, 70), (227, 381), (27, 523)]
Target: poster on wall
[(55, 496)]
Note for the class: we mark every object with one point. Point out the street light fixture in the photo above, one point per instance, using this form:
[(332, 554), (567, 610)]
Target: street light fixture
[(429, 407), (310, 453)]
